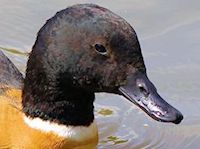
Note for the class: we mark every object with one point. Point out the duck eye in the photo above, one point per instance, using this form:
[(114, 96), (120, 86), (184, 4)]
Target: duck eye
[(100, 49)]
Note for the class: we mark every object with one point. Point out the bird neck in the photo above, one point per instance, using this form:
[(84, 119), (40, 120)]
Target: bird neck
[(58, 101)]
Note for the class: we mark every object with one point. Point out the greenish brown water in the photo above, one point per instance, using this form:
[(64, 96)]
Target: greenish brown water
[(169, 34)]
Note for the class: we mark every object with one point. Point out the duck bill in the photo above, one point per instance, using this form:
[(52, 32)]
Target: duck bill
[(140, 91)]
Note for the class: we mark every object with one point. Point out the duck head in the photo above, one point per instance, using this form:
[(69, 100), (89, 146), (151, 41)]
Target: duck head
[(82, 50)]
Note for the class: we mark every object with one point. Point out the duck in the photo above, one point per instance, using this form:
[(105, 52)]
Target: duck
[(82, 50)]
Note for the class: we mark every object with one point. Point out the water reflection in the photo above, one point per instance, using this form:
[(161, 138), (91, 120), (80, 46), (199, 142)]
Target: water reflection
[(169, 34)]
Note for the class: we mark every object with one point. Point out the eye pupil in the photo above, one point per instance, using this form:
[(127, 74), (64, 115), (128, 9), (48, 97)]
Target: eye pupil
[(100, 48)]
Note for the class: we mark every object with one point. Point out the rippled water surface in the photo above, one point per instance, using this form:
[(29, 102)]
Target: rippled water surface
[(169, 34)]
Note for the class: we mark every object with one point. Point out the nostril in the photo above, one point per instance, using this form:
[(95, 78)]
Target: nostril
[(143, 90)]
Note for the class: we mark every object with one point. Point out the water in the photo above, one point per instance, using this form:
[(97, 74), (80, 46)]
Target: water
[(169, 34)]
